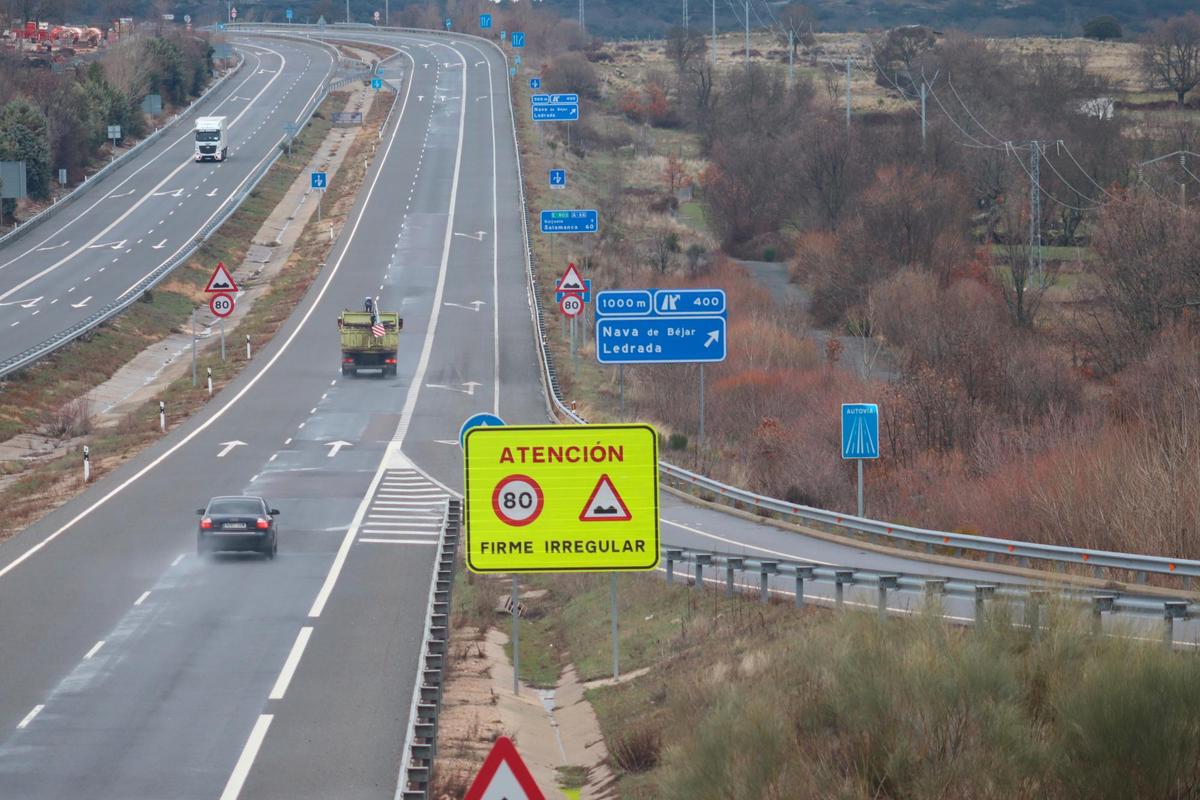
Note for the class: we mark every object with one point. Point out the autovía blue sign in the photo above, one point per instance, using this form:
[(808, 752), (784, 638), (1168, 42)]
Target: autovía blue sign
[(660, 326), (570, 221), (860, 430), (518, 39), (555, 112)]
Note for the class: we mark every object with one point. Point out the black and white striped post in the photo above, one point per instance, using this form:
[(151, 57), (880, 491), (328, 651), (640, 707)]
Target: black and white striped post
[(162, 416), (87, 464), (210, 381), (247, 347)]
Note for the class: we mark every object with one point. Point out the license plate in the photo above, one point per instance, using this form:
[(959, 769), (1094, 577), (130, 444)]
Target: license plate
[(239, 525)]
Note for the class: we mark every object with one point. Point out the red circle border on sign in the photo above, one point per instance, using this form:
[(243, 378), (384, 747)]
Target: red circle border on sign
[(213, 300), (537, 489)]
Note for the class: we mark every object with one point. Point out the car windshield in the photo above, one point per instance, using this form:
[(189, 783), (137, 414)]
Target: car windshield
[(208, 136), (236, 505)]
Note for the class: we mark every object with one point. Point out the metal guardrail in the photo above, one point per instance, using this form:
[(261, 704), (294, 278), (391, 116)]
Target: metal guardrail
[(1032, 598), (1024, 553), (420, 742), (131, 153), (116, 306)]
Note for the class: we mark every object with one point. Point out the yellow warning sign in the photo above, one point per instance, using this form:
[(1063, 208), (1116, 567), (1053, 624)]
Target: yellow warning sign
[(559, 498)]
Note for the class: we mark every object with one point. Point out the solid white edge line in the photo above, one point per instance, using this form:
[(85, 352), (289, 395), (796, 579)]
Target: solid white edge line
[(791, 556), (95, 649), (216, 415), (241, 770), (289, 666), (335, 569), (142, 599), (400, 541), (29, 717)]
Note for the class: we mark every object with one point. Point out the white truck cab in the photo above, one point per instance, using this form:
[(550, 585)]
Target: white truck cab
[(211, 144)]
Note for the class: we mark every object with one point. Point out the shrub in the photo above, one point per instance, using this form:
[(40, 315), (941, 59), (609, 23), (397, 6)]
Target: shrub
[(1102, 28), (71, 420), (638, 750)]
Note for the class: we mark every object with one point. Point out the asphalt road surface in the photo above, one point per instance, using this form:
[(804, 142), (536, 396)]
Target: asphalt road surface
[(131, 221), (131, 668)]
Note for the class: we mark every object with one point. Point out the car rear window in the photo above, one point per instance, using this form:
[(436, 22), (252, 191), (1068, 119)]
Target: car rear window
[(235, 507)]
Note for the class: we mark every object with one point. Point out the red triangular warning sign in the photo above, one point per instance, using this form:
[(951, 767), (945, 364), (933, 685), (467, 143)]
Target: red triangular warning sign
[(571, 281), (503, 776), (605, 505), (221, 280)]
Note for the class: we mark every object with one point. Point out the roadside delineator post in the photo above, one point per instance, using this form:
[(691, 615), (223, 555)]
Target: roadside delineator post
[(210, 381), (247, 347), (162, 416), (87, 464)]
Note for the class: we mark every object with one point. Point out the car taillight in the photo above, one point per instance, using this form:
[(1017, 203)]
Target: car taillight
[(347, 360), (389, 361), (206, 523), (262, 524)]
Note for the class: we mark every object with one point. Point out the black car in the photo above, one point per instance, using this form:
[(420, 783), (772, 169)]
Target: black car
[(237, 523)]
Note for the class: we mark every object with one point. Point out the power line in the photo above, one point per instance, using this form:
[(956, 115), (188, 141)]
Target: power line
[(1067, 183), (1086, 174), (969, 114), (1034, 180)]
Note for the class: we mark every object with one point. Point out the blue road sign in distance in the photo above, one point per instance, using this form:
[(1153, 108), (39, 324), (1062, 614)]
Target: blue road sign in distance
[(220, 26), (485, 20), (570, 221), (518, 39), (477, 421), (290, 15), (659, 340), (555, 112), (318, 180), (558, 177), (563, 98), (447, 22), (503, 34), (860, 430), (689, 301), (517, 60), (512, 71), (625, 302), (539, 99), (535, 83), (376, 83)]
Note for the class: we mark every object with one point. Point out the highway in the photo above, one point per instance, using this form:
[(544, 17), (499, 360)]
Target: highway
[(131, 221), (131, 668)]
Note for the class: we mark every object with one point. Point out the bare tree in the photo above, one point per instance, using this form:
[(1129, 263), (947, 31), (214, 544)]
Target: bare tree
[(684, 46), (897, 51), (831, 81), (801, 22), (1022, 283), (1171, 55)]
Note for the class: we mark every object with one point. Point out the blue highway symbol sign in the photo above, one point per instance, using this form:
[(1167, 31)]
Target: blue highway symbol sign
[(376, 83), (319, 180), (535, 83), (518, 39), (860, 430), (558, 177), (485, 20)]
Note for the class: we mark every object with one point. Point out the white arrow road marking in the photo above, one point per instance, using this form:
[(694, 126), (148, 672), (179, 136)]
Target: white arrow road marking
[(468, 390), (170, 192), (122, 194), (480, 63), (472, 306), (446, 441), (420, 97), (213, 193), (31, 303), (713, 337), (22, 303), (227, 446), (159, 246), (334, 447), (113, 245), (82, 302), (55, 247), (477, 235)]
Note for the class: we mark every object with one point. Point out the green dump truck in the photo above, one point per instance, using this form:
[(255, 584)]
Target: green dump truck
[(370, 339)]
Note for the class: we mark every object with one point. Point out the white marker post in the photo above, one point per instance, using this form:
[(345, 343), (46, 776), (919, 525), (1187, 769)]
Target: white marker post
[(210, 381), (162, 416), (87, 464), (247, 347)]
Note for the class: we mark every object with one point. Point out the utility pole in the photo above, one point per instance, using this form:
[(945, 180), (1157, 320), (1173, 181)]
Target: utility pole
[(581, 17), (1182, 185), (747, 33), (347, 12), (714, 33), (791, 60), (924, 91), (847, 91), (1035, 209), (685, 16)]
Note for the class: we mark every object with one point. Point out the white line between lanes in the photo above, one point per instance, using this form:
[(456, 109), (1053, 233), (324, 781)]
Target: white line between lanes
[(289, 666), (245, 761), (95, 649), (29, 717)]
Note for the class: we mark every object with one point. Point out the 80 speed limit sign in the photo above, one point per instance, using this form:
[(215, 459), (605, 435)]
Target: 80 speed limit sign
[(571, 305), (221, 305), (517, 500)]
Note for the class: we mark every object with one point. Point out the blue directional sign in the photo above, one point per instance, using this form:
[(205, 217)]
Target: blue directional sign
[(542, 99), (376, 83), (585, 297), (535, 83), (447, 22), (477, 421), (503, 34), (517, 60), (555, 112), (485, 20), (558, 178), (290, 14), (518, 39), (319, 181), (570, 221), (860, 430), (660, 326)]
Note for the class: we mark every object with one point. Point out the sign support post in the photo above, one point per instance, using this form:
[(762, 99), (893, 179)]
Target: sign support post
[(701, 444), (616, 642), (860, 438), (621, 391), (860, 487), (516, 640), (222, 339), (193, 348)]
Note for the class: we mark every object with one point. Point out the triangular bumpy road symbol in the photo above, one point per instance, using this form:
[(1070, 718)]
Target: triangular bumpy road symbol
[(503, 776), (570, 281), (605, 505), (221, 280)]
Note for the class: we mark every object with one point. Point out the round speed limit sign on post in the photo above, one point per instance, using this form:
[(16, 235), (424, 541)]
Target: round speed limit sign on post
[(571, 305), (221, 305), (517, 500)]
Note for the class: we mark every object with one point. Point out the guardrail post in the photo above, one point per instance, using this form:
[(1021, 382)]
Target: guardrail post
[(1033, 610), (702, 560), (765, 570), (672, 557), (1101, 604), (841, 577), (935, 587), (1172, 610), (886, 582), (802, 574), (732, 563), (983, 593)]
